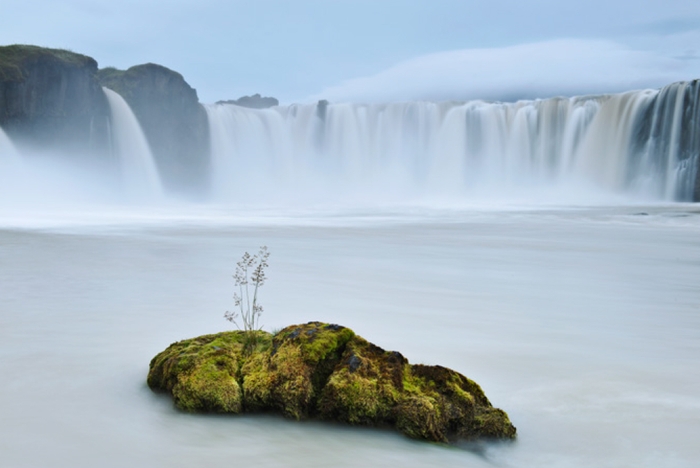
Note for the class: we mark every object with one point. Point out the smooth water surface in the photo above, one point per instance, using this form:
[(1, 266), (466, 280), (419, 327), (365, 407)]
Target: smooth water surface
[(583, 324)]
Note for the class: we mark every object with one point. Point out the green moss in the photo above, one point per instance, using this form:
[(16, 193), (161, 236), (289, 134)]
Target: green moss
[(317, 341), (202, 373), (363, 389), (355, 399), (491, 423), (419, 417), (324, 370), (14, 58), (292, 384), (257, 382), (210, 387)]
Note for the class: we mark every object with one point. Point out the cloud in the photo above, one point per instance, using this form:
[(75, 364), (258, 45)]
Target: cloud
[(563, 67), (670, 26)]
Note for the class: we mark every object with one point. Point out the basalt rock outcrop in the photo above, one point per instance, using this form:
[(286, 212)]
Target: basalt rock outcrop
[(51, 100), (325, 371), (253, 102), (174, 121), (671, 124)]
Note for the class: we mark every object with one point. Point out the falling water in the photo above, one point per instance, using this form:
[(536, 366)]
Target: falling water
[(644, 143), (9, 156), (140, 173)]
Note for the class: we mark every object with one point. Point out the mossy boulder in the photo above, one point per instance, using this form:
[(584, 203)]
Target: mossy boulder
[(325, 371)]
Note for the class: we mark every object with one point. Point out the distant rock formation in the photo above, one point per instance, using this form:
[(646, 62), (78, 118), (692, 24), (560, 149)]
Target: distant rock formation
[(174, 121), (51, 99), (325, 371), (254, 102), (322, 109)]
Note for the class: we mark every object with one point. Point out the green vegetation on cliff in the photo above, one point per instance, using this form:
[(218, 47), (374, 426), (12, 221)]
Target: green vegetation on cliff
[(14, 57), (325, 371), (148, 78)]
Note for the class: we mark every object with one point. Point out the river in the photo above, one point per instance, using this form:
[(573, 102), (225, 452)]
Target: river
[(582, 323)]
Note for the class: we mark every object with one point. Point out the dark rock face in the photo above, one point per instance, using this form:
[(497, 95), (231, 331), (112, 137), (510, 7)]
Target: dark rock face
[(689, 144), (174, 121), (254, 102), (318, 370), (52, 99), (655, 135)]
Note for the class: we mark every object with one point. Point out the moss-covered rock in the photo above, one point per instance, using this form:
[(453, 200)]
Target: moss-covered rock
[(325, 371)]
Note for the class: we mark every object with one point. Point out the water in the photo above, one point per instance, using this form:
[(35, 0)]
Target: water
[(10, 160), (140, 174), (531, 246), (642, 143), (582, 323)]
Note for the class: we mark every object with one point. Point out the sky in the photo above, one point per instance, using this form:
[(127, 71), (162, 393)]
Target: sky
[(378, 50)]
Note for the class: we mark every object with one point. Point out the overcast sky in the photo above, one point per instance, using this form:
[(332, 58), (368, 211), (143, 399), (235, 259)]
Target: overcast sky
[(378, 50)]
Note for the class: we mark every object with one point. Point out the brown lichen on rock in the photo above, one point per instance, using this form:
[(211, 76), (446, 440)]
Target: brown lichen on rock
[(325, 371)]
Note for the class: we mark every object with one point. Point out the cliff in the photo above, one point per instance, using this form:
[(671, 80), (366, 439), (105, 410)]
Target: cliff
[(670, 125), (174, 121), (690, 138), (51, 99), (325, 371)]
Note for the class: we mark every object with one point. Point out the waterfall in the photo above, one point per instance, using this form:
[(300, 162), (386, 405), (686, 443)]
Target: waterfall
[(643, 143), (10, 158), (140, 174)]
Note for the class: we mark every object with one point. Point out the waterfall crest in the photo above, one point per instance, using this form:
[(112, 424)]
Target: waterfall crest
[(139, 171), (642, 143)]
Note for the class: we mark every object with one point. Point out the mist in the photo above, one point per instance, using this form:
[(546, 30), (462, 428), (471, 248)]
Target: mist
[(563, 67)]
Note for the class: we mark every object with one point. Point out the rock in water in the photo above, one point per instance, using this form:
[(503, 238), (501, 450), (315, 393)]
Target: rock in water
[(325, 371)]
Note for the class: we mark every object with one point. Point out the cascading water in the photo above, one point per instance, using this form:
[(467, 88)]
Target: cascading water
[(140, 174), (10, 158), (643, 142), (11, 166), (667, 142)]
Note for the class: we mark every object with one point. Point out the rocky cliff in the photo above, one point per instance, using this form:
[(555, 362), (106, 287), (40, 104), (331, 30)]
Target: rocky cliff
[(690, 138), (51, 99), (174, 121)]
